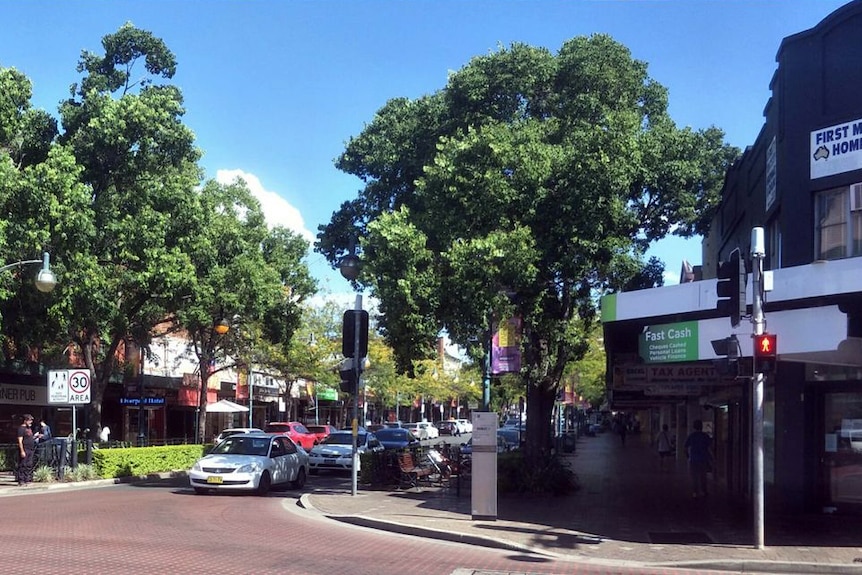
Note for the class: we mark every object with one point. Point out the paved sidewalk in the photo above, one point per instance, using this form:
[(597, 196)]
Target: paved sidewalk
[(628, 510)]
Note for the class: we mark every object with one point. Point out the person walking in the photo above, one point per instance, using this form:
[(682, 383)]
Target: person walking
[(664, 445), (26, 448), (698, 448), (622, 430)]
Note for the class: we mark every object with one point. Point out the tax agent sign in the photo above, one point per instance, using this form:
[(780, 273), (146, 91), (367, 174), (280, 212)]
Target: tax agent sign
[(69, 386), (672, 342)]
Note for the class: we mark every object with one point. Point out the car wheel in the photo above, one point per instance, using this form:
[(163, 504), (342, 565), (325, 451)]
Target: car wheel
[(299, 482), (264, 484)]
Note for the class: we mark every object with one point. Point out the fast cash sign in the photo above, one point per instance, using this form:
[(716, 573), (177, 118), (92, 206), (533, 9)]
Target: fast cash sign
[(669, 343)]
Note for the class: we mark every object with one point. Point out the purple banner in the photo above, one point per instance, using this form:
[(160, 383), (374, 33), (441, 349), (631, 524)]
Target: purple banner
[(506, 347)]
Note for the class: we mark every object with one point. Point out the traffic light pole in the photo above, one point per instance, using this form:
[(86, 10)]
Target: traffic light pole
[(758, 323), (357, 328)]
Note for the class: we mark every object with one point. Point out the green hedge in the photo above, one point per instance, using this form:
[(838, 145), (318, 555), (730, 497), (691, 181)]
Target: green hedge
[(135, 461)]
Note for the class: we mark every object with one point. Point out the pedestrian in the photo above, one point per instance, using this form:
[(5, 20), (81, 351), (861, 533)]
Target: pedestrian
[(621, 429), (44, 431), (664, 445), (26, 448), (699, 452)]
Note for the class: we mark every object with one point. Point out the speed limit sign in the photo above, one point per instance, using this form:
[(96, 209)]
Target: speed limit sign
[(79, 386)]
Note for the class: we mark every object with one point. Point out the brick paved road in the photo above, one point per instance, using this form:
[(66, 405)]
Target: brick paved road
[(163, 527)]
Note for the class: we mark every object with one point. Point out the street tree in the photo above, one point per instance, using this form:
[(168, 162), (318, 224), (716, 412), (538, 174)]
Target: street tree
[(528, 186), (130, 263), (251, 277)]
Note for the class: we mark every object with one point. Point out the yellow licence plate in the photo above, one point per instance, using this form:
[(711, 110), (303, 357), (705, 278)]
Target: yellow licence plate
[(214, 479)]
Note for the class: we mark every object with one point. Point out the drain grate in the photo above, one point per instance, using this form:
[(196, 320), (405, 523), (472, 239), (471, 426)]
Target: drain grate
[(680, 537)]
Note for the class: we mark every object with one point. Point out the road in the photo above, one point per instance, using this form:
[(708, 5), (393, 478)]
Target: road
[(164, 527)]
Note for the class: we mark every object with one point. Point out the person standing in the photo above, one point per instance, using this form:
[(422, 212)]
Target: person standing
[(44, 431), (698, 447), (26, 448), (664, 445)]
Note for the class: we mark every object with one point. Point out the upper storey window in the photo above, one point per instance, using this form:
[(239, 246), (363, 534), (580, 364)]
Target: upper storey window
[(839, 223)]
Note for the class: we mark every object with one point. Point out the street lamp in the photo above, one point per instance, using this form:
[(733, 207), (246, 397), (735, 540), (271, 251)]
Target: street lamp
[(349, 268), (45, 279)]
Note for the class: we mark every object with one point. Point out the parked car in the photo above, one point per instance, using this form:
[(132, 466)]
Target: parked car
[(466, 425), (467, 448), (449, 427), (321, 432), (336, 451), (511, 437), (375, 427), (294, 430), (422, 430), (234, 431), (250, 461), (396, 438)]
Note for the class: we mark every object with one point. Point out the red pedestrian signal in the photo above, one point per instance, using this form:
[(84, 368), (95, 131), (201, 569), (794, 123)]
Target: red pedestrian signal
[(765, 352)]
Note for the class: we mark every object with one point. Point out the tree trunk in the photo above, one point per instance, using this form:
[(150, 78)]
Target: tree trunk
[(540, 406)]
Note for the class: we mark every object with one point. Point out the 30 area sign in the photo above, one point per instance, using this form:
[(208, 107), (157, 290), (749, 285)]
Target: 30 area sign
[(69, 386)]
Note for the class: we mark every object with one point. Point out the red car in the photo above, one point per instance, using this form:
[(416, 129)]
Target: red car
[(321, 431), (294, 430)]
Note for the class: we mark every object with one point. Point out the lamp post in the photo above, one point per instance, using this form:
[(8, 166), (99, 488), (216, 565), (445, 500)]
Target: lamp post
[(45, 279), (349, 268)]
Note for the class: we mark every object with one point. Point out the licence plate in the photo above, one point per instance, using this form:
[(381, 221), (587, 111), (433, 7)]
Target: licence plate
[(214, 479)]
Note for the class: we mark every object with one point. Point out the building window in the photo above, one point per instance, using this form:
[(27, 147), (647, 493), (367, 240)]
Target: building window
[(839, 223)]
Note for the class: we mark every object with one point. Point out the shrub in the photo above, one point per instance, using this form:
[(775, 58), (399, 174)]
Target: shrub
[(550, 475), (44, 474)]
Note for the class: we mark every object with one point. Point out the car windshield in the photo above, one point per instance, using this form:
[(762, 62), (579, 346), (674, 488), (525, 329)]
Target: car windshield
[(243, 445), (342, 439)]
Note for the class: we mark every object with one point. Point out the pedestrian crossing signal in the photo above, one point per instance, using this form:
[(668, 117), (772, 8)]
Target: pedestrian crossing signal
[(765, 352)]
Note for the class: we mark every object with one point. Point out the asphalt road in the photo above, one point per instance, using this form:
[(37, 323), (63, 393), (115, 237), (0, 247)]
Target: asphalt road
[(162, 526)]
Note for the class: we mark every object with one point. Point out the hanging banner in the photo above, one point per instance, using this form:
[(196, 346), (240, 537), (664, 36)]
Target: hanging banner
[(506, 347), (241, 386)]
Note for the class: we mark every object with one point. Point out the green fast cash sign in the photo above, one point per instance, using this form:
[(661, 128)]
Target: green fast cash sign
[(671, 342)]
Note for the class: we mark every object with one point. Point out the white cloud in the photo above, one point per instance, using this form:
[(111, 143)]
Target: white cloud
[(277, 210)]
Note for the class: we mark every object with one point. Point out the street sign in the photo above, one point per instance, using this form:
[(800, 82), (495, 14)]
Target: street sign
[(69, 386), (58, 386), (79, 386)]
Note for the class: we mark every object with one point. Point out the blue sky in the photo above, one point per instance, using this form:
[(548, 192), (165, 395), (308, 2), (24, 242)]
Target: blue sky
[(274, 88)]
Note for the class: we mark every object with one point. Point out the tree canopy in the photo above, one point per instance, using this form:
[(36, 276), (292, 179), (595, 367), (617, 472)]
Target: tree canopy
[(116, 195), (530, 184)]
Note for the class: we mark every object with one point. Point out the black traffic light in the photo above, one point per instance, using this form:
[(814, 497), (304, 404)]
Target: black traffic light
[(349, 377), (765, 352), (349, 335), (731, 288)]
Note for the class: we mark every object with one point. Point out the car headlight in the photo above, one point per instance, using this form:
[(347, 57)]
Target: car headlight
[(197, 466), (249, 468)]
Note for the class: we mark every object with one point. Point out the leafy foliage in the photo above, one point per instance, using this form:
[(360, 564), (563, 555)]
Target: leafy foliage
[(529, 185)]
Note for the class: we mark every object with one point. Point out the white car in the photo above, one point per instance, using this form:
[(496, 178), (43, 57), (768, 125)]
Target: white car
[(422, 430), (234, 431), (466, 425), (250, 461), (336, 451)]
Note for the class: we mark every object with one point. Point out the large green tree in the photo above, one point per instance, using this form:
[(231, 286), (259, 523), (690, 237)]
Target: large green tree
[(250, 276), (529, 185)]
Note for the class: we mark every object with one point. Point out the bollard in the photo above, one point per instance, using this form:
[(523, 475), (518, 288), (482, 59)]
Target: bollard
[(89, 452), (61, 465)]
